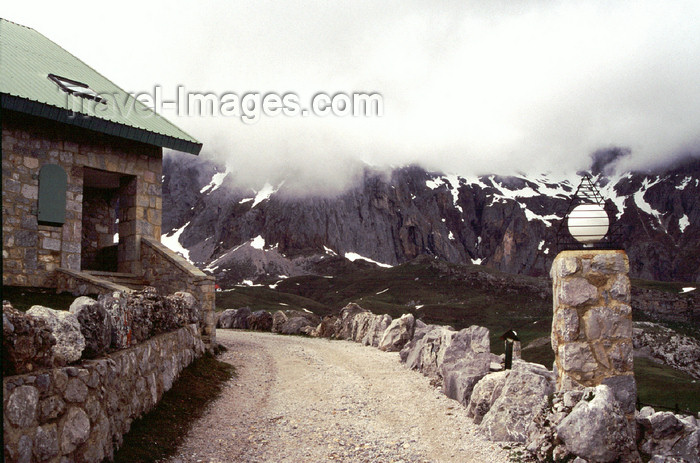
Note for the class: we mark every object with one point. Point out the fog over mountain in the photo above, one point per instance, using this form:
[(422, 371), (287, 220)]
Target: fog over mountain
[(506, 222), (468, 87)]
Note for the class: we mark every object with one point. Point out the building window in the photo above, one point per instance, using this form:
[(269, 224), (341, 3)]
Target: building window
[(53, 182), (73, 87)]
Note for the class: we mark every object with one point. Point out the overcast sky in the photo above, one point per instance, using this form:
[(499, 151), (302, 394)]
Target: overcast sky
[(467, 87)]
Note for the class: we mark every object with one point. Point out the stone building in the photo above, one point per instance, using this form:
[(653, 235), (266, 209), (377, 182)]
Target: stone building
[(81, 177)]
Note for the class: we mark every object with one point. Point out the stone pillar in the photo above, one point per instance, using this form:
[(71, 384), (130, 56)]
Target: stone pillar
[(205, 290), (129, 251), (592, 323)]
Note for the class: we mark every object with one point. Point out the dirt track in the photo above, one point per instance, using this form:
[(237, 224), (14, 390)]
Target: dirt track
[(313, 400)]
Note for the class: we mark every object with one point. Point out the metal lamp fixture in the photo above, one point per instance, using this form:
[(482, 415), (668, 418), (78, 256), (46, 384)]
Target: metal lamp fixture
[(587, 223)]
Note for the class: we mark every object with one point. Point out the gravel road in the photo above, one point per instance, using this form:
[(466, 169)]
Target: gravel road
[(299, 399)]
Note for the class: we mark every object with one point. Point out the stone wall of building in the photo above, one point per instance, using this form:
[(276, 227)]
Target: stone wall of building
[(169, 273), (81, 412), (592, 323), (32, 251)]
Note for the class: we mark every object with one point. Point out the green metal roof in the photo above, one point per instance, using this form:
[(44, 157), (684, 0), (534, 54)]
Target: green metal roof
[(26, 60)]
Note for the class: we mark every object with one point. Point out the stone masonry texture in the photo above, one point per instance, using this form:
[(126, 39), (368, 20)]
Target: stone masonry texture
[(32, 251), (130, 205), (592, 322), (80, 413)]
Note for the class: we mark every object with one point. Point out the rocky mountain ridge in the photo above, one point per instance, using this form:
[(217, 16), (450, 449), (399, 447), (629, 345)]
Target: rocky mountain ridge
[(505, 222)]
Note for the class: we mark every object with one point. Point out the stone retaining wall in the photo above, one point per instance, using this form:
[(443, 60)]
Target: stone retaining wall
[(168, 272), (80, 413)]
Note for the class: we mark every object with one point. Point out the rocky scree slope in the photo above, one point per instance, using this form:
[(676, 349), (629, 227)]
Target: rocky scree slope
[(505, 222)]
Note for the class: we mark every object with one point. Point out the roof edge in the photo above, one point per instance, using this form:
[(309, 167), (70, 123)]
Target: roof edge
[(62, 115)]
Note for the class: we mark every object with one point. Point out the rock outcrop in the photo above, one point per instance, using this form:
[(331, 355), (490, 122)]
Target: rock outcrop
[(240, 318), (65, 328), (587, 423), (260, 320), (504, 402), (668, 437), (597, 429), (185, 308), (466, 360), (328, 328), (377, 326), (295, 325), (346, 320), (27, 342), (226, 319), (669, 347), (115, 303), (278, 320), (398, 333), (95, 325), (427, 348)]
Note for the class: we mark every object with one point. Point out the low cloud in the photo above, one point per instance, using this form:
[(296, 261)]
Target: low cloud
[(468, 87)]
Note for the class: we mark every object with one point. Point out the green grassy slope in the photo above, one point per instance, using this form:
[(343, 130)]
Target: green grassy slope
[(449, 294), (436, 293)]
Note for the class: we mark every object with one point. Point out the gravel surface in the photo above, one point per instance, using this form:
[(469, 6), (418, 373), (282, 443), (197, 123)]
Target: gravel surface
[(299, 399)]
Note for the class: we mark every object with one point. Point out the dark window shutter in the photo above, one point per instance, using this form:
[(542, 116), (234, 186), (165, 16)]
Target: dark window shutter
[(52, 194)]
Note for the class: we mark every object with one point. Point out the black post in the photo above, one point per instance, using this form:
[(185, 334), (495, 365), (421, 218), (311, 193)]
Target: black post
[(509, 354)]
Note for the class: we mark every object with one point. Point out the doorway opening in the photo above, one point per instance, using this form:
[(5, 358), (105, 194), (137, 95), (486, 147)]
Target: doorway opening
[(105, 195)]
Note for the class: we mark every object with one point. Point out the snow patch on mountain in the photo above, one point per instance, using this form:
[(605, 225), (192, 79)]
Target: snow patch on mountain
[(642, 203), (353, 256), (258, 242), (609, 192), (541, 187), (546, 219), (172, 242), (433, 184), (454, 182), (329, 251), (684, 183), (216, 181), (264, 194)]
